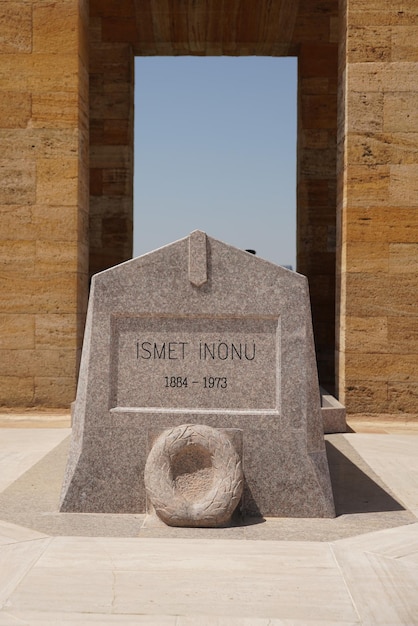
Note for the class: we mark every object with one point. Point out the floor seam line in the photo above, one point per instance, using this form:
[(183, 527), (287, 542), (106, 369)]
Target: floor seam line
[(334, 556)]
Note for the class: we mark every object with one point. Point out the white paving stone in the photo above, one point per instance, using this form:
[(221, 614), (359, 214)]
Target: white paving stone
[(7, 619), (366, 579), (12, 533), (198, 620), (395, 459), (235, 556), (36, 618), (83, 585), (182, 577), (16, 560), (381, 572), (289, 594), (21, 448)]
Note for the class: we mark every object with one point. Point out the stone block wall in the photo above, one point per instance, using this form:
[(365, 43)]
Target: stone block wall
[(43, 199), (377, 350), (357, 176), (316, 172), (111, 137)]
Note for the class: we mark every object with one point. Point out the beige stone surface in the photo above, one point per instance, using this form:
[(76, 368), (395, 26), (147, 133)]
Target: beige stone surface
[(377, 209), (403, 333), (357, 66), (30, 418), (215, 580), (376, 561), (43, 198), (47, 294), (271, 387), (374, 224), (364, 258), (54, 221), (53, 390), (393, 367), (23, 447), (54, 258), (15, 109), (18, 182), (193, 476), (317, 189), (366, 396), (31, 362), (17, 329), (16, 20), (402, 396), (55, 27), (57, 183), (382, 148), (57, 331), (403, 258), (402, 41), (17, 390), (400, 112), (58, 108), (111, 148)]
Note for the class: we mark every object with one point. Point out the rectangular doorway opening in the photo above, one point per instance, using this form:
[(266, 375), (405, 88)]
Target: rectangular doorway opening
[(215, 150)]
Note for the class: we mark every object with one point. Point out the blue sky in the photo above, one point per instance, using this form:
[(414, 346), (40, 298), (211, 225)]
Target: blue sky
[(215, 149)]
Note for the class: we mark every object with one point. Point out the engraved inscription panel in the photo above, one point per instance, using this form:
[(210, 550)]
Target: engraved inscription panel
[(195, 363)]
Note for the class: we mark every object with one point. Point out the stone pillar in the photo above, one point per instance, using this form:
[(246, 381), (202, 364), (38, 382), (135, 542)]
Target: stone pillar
[(43, 199), (111, 145), (377, 347), (316, 191)]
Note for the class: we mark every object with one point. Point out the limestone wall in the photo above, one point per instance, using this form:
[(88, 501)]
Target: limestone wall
[(43, 199), (357, 175), (316, 190), (111, 139), (378, 207)]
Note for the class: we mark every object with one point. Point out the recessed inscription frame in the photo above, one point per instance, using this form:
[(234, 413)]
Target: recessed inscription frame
[(246, 301), (195, 362)]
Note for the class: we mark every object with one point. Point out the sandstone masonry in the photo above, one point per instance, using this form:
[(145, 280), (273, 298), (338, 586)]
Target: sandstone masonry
[(66, 124)]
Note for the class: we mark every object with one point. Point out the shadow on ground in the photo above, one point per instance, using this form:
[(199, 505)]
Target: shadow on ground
[(363, 504), (355, 487)]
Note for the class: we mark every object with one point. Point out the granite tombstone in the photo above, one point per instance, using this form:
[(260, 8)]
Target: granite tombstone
[(199, 333)]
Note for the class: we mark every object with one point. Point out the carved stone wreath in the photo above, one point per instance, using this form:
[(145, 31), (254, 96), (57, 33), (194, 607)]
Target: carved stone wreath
[(193, 476)]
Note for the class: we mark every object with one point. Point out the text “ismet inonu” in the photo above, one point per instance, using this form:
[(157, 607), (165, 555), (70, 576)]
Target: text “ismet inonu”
[(209, 352)]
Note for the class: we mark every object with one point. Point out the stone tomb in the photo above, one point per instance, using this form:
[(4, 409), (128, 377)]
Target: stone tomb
[(199, 333)]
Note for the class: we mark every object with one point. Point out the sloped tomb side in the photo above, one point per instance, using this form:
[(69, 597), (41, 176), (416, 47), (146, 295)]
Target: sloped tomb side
[(199, 332)]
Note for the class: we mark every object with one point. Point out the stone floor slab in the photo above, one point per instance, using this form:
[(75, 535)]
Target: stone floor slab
[(36, 618), (183, 577), (361, 568), (363, 502), (7, 619), (20, 449), (395, 459), (198, 620), (381, 573), (12, 533), (16, 560)]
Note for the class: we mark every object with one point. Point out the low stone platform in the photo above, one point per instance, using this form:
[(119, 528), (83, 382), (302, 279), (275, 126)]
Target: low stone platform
[(360, 568)]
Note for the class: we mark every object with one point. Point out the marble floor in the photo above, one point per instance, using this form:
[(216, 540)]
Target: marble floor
[(361, 568)]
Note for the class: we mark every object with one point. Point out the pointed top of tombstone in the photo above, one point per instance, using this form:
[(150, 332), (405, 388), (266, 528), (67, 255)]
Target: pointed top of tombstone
[(198, 260)]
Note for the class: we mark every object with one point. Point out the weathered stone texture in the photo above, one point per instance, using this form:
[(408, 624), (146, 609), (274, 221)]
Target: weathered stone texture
[(193, 476), (15, 109), (63, 83), (378, 310), (17, 330), (43, 199), (160, 332), (16, 27), (111, 143), (317, 130)]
